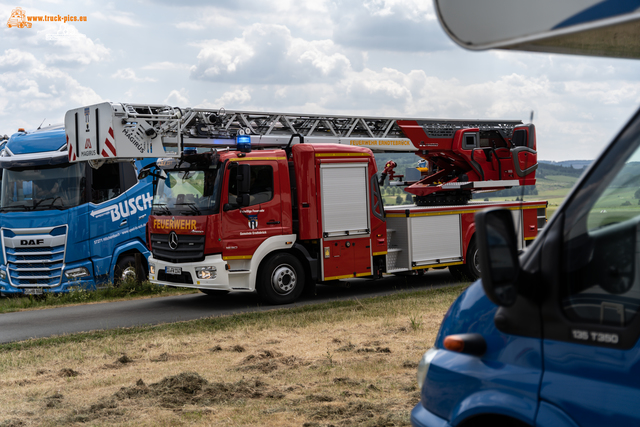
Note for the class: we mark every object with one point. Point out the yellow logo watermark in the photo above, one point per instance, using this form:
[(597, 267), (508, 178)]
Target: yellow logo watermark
[(20, 19)]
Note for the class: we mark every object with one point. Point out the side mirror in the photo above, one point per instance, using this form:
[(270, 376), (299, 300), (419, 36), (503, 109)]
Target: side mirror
[(244, 179), (499, 263)]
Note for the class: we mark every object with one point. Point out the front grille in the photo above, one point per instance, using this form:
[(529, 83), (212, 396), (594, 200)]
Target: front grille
[(34, 266), (190, 248), (184, 278)]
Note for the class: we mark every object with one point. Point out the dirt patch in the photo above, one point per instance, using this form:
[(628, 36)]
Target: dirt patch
[(54, 400), (346, 381), (374, 350), (187, 388), (67, 373), (238, 349)]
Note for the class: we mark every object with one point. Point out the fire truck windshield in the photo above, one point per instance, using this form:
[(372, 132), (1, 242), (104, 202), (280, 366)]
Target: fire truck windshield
[(59, 187), (187, 192)]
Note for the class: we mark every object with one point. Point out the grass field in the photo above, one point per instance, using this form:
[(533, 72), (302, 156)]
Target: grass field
[(342, 363)]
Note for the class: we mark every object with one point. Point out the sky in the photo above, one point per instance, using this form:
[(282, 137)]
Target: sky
[(367, 57)]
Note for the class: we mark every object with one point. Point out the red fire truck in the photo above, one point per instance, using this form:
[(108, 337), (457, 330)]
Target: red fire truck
[(271, 202)]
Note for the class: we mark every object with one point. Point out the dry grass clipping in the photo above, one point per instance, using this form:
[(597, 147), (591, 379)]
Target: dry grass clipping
[(333, 366)]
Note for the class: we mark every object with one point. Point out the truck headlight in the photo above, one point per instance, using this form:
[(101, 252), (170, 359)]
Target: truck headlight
[(207, 272), (152, 268), (3, 274), (76, 273), (423, 366)]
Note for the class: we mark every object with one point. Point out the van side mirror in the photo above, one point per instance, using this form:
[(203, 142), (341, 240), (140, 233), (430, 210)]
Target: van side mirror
[(498, 249)]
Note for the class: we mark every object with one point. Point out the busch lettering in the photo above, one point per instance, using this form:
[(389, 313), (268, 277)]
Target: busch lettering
[(124, 209), (131, 206), (31, 242)]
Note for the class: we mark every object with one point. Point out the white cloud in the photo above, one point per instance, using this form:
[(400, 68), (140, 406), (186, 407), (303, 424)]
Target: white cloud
[(30, 90), (177, 98), (129, 74), (123, 18), (166, 65), (71, 46), (233, 99), (268, 54)]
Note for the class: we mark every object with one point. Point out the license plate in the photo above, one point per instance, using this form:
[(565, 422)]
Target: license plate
[(173, 270), (33, 291)]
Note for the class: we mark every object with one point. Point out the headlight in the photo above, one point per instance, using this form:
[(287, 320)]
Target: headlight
[(207, 272), (75, 273), (3, 274), (152, 268), (423, 366)]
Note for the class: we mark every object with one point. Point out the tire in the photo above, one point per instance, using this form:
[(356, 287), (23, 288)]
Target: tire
[(214, 292), (470, 271), (280, 279), (125, 270)]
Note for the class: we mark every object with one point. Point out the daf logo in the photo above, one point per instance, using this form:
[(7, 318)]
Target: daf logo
[(32, 242), (173, 241)]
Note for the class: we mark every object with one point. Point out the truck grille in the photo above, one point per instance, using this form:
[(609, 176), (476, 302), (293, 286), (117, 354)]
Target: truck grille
[(35, 257), (190, 248)]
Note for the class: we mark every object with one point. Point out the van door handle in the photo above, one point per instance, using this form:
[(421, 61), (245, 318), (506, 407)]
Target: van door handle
[(124, 222), (272, 222)]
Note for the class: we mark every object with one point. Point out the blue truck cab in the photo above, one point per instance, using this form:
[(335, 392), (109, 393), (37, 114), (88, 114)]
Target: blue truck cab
[(549, 337), (66, 226)]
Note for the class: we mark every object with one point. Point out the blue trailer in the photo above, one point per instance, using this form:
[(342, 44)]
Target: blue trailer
[(66, 226)]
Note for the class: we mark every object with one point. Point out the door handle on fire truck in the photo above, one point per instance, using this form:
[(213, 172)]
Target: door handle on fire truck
[(272, 222)]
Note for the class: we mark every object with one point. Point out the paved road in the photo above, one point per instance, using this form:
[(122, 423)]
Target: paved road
[(67, 320)]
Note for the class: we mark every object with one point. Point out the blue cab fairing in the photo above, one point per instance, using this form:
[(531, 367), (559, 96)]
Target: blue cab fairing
[(70, 236)]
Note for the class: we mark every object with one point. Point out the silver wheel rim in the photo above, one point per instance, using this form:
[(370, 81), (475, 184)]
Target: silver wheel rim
[(284, 279), (128, 273), (476, 260)]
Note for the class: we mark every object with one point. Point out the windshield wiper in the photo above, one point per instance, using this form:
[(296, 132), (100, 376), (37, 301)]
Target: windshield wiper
[(17, 207), (53, 200), (164, 210), (192, 206)]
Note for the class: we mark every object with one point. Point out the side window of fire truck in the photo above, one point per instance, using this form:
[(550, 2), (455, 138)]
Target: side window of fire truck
[(602, 245), (105, 183), (261, 189)]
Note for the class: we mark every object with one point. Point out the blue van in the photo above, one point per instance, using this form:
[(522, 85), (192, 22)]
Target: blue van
[(550, 337)]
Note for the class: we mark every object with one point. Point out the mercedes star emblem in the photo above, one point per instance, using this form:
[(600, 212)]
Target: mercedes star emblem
[(173, 240)]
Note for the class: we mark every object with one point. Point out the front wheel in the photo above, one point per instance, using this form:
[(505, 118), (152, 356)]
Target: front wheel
[(126, 271), (469, 271), (280, 279)]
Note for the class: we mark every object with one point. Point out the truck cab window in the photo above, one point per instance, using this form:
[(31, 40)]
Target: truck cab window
[(602, 249), (261, 189), (129, 175), (105, 183)]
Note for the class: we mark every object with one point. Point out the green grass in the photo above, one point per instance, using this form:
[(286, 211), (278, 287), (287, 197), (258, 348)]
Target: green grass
[(281, 319), (128, 290)]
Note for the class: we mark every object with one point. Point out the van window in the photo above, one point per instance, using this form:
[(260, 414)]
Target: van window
[(602, 249)]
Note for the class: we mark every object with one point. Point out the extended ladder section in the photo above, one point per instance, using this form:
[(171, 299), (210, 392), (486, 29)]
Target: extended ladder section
[(124, 131), (464, 156)]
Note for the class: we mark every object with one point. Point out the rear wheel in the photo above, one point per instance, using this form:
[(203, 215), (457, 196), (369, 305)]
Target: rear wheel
[(469, 271), (281, 279)]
